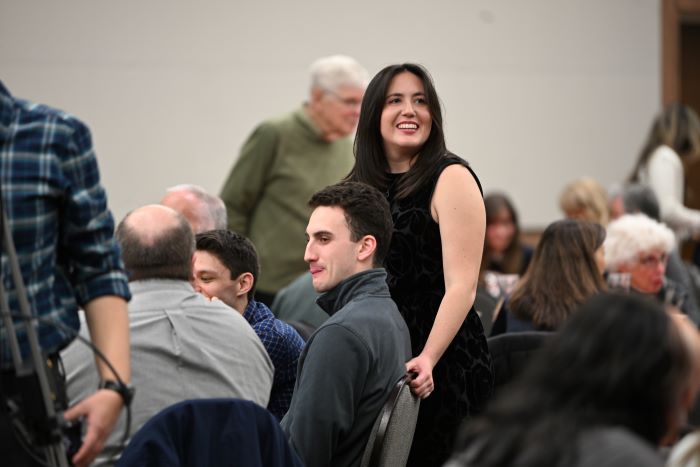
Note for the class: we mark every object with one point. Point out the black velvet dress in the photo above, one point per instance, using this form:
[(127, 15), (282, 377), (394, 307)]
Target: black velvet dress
[(463, 377)]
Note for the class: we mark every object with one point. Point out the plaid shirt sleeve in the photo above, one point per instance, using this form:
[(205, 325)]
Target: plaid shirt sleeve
[(57, 211), (92, 254)]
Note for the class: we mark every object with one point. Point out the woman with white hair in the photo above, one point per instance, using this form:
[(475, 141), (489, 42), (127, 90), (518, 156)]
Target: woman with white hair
[(639, 246)]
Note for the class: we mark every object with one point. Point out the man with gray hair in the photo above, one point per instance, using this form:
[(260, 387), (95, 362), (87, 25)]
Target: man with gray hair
[(202, 210), (288, 158), (183, 346)]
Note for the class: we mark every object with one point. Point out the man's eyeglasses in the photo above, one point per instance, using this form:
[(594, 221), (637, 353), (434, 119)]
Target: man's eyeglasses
[(346, 101)]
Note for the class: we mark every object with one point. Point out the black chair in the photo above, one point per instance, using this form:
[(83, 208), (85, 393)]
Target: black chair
[(392, 433), (485, 306), (210, 432), (488, 309), (303, 328), (511, 352)]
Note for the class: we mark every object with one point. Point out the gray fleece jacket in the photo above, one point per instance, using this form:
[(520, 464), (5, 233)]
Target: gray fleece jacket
[(346, 372)]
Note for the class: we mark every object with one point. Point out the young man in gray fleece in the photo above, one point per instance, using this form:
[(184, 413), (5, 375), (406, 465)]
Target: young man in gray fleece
[(351, 363)]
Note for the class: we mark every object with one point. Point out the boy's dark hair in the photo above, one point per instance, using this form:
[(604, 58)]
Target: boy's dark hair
[(366, 212), (235, 252)]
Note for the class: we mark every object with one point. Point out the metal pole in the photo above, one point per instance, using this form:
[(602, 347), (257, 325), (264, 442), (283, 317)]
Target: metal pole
[(56, 454)]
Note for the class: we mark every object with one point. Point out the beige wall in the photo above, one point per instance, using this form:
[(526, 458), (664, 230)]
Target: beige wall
[(536, 92)]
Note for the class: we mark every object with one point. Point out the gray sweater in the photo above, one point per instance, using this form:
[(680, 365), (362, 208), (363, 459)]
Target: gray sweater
[(346, 372)]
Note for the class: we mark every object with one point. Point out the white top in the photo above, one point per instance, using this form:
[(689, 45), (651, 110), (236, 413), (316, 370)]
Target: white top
[(663, 173), (679, 456)]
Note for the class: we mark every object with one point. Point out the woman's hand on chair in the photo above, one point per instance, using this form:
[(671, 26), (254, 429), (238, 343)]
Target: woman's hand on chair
[(422, 384)]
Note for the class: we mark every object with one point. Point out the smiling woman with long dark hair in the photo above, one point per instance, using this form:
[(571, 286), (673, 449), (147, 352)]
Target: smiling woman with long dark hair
[(435, 253)]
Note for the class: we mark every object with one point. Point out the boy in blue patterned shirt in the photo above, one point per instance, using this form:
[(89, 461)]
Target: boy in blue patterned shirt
[(225, 267)]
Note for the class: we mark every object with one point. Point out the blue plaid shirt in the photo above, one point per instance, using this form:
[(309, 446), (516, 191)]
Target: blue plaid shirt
[(57, 210), (284, 346)]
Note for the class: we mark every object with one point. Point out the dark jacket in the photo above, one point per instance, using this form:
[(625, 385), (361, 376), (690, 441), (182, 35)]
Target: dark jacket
[(346, 371)]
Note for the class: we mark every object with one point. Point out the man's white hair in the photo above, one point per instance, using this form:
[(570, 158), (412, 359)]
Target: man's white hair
[(215, 209), (632, 235), (329, 73)]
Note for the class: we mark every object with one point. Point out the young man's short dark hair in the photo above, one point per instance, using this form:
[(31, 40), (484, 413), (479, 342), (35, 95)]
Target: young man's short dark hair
[(235, 252), (366, 212)]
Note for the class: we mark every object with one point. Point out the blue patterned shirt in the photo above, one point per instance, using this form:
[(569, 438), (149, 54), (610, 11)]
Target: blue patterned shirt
[(283, 345), (57, 210)]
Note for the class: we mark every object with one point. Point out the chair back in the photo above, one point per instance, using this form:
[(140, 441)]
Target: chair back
[(392, 434), (210, 432), (303, 328), (511, 352), (485, 306)]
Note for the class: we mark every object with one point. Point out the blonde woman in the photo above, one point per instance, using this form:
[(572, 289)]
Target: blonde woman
[(585, 199)]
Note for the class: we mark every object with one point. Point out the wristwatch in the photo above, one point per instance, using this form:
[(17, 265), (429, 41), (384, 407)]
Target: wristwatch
[(124, 390)]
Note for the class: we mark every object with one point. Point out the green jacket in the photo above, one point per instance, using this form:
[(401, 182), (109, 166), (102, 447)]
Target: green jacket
[(280, 166)]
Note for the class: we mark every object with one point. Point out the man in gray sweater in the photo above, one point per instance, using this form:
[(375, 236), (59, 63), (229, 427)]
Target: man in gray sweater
[(351, 363)]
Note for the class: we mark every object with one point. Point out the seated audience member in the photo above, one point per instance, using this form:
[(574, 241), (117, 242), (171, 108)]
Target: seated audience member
[(639, 246), (639, 198), (182, 345), (226, 267), (632, 198), (503, 251), (686, 453), (566, 269), (606, 390), (616, 206), (352, 362), (297, 302), (585, 199), (202, 210)]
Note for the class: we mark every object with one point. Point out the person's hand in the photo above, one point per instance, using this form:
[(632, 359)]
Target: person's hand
[(101, 411), (422, 385)]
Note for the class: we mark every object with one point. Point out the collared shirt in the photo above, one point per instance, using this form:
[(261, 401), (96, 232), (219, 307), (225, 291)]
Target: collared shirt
[(57, 210), (183, 346), (283, 345)]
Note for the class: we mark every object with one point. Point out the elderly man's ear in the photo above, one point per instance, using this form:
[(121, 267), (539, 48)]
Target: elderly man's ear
[(316, 94)]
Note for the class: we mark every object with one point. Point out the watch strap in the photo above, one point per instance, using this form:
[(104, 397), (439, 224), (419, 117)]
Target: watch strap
[(124, 390)]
